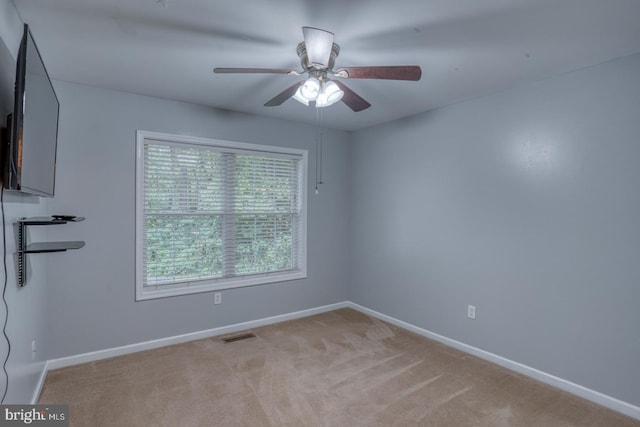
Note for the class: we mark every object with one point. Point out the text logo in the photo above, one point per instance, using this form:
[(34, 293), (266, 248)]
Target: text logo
[(34, 415)]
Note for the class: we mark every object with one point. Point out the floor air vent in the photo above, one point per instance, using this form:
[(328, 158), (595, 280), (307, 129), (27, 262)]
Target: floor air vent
[(238, 337)]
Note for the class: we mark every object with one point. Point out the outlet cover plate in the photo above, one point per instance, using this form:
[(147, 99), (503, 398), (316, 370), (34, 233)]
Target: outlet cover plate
[(471, 311)]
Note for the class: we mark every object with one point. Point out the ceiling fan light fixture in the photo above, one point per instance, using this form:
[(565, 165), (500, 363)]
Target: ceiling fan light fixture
[(329, 95), (298, 97), (310, 89)]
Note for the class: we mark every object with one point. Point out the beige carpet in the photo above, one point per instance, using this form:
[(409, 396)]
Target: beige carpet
[(338, 369)]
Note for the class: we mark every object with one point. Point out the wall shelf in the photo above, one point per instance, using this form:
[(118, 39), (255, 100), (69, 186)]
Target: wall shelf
[(40, 247)]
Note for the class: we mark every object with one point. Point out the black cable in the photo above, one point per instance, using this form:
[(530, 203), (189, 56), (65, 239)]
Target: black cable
[(4, 299)]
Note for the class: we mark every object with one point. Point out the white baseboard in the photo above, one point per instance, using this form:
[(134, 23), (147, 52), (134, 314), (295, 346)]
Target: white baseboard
[(163, 342), (576, 389), (40, 384)]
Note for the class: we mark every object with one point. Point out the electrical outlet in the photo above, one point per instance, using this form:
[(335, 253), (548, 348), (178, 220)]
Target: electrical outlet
[(33, 350), (471, 311), (217, 298)]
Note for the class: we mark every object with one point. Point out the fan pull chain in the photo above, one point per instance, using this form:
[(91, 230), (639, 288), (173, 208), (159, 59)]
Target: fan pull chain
[(319, 147)]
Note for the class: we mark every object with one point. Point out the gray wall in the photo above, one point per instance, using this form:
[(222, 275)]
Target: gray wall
[(27, 306), (91, 295), (525, 204)]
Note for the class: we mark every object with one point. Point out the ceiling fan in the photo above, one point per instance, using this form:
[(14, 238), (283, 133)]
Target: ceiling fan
[(317, 55)]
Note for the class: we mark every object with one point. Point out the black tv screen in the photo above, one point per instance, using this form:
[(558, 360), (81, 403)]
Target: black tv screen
[(30, 160)]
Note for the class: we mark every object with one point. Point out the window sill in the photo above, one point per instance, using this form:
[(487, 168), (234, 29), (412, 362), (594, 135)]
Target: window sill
[(188, 288)]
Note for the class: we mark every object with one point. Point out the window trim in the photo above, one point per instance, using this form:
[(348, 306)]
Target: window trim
[(187, 288)]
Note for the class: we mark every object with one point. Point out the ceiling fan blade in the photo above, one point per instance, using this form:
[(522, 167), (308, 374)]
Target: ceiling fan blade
[(318, 43), (398, 72), (255, 70), (352, 99), (284, 95)]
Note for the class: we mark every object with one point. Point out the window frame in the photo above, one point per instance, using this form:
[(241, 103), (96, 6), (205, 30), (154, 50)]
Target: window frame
[(186, 288)]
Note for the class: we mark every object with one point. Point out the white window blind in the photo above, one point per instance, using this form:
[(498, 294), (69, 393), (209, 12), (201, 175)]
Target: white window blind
[(214, 214)]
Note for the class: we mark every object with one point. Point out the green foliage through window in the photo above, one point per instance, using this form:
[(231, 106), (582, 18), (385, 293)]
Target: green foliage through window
[(213, 213)]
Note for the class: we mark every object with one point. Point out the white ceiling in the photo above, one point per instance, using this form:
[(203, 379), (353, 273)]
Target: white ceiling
[(466, 48)]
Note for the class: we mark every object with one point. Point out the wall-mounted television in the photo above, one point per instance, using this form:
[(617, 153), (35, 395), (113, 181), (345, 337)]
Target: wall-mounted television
[(29, 150)]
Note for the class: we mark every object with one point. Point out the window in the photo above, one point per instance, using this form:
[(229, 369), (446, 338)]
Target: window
[(217, 214)]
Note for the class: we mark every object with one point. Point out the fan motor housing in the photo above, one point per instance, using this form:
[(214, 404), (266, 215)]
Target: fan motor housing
[(304, 59)]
